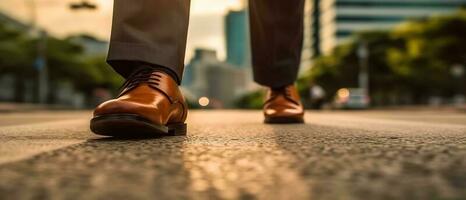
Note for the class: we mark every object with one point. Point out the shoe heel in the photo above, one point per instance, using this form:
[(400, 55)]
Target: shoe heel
[(177, 129)]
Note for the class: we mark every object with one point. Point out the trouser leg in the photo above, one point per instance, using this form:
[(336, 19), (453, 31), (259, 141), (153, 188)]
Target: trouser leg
[(149, 31), (276, 40)]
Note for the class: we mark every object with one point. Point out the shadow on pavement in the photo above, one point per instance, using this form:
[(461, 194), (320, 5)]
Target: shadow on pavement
[(340, 163), (103, 168), (134, 139)]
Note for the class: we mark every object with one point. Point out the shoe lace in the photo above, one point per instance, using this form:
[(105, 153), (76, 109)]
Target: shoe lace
[(286, 92), (282, 91), (142, 76)]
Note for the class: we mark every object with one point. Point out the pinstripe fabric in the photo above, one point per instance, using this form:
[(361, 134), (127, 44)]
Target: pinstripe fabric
[(155, 31)]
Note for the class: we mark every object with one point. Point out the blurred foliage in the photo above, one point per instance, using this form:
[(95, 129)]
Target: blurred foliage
[(407, 65), (15, 51), (66, 61), (252, 100), (429, 49), (96, 73), (192, 104), (341, 67)]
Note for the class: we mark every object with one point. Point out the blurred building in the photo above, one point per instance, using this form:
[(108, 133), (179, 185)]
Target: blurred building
[(307, 51), (333, 21), (92, 46), (237, 38), (237, 42), (223, 81), (207, 76)]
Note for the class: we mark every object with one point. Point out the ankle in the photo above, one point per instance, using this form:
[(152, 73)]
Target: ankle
[(280, 88)]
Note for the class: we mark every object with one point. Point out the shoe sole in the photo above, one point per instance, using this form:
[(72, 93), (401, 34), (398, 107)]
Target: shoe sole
[(131, 125), (284, 120)]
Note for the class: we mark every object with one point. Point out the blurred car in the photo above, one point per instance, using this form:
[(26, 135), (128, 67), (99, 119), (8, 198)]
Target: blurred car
[(351, 98)]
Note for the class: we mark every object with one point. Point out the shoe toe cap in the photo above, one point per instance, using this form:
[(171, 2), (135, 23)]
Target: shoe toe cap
[(113, 107)]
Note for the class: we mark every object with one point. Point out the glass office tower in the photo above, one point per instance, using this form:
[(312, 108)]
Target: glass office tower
[(237, 38), (334, 21)]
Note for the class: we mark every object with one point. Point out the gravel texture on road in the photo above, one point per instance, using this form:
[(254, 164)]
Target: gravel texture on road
[(232, 155)]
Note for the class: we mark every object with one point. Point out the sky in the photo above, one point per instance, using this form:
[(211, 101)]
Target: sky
[(205, 30)]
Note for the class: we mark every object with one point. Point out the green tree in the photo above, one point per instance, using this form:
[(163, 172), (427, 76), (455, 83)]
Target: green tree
[(412, 62), (430, 48), (15, 55), (66, 62), (252, 100), (340, 68)]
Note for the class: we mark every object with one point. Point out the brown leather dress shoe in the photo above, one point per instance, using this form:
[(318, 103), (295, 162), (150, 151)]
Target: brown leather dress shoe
[(150, 104), (283, 106)]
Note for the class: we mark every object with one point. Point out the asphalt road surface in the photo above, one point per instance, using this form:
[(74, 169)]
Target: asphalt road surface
[(232, 155)]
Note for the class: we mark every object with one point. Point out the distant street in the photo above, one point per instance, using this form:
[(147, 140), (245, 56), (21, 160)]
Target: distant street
[(232, 155)]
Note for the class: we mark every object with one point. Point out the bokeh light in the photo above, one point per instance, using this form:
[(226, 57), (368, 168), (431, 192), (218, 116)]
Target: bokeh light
[(204, 101), (343, 93)]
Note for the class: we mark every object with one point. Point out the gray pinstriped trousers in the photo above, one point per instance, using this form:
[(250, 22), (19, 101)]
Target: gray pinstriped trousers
[(155, 32)]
